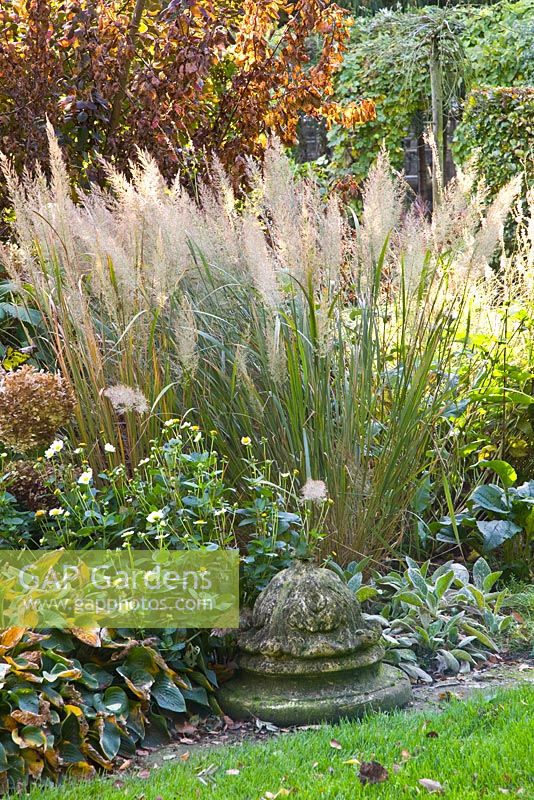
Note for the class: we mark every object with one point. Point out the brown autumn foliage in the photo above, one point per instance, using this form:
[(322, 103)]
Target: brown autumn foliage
[(182, 79)]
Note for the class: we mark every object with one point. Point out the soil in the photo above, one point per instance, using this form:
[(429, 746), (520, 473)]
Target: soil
[(213, 732)]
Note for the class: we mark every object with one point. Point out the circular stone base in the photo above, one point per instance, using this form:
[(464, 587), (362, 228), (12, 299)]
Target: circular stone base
[(295, 700)]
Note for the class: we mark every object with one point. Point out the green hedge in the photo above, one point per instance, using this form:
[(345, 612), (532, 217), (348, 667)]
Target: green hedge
[(498, 42), (497, 129)]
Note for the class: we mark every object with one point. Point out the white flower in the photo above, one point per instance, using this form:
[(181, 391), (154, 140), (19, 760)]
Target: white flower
[(155, 516), (143, 462), (170, 422), (86, 477), (56, 447), (314, 490), (109, 448), (56, 512)]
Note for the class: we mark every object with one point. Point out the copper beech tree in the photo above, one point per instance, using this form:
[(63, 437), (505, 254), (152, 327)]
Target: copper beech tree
[(183, 79)]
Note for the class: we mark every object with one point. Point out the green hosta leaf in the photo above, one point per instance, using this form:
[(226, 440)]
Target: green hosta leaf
[(30, 736), (110, 739), (167, 694), (497, 531), (115, 701), (490, 498), (503, 469)]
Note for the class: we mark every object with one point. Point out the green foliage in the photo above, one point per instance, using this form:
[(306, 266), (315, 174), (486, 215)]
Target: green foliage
[(387, 65), (496, 518), (75, 701), (178, 497), (444, 619), (497, 131)]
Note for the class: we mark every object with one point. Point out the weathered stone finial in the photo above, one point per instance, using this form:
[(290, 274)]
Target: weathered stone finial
[(309, 655)]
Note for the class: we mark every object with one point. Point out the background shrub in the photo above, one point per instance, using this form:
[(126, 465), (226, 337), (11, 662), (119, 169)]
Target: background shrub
[(497, 131)]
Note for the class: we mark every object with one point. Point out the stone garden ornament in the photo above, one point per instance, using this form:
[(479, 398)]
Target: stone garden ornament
[(309, 655)]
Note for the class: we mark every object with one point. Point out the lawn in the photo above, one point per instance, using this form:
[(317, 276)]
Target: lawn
[(482, 748)]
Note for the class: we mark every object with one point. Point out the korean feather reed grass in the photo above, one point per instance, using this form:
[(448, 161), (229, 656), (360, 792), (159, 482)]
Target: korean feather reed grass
[(334, 349)]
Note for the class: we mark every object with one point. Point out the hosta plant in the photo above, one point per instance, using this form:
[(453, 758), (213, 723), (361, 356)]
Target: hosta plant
[(444, 620), (77, 701), (496, 517)]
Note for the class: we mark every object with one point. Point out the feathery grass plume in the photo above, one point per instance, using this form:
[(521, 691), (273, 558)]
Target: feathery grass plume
[(186, 337), (383, 197), (125, 399), (354, 393)]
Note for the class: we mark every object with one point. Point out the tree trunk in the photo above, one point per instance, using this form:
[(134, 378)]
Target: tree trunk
[(438, 128), (116, 107)]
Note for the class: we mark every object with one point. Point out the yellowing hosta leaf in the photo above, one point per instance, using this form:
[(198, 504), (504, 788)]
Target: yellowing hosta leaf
[(82, 770), (34, 762), (90, 637), (11, 636), (76, 710), (29, 736)]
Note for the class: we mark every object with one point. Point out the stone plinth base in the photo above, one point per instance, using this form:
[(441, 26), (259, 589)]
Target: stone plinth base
[(298, 700)]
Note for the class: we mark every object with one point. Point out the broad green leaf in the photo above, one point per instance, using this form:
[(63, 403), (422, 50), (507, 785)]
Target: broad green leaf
[(418, 581), (490, 580), (480, 635), (490, 498), (503, 469), (110, 739), (496, 532), (116, 701), (167, 694), (365, 593)]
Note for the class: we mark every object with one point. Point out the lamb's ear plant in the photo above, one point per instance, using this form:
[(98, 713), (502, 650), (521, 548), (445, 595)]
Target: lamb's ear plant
[(445, 620)]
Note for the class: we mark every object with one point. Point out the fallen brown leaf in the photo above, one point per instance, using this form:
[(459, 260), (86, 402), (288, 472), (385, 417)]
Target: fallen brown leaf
[(372, 772), (335, 744), (434, 787)]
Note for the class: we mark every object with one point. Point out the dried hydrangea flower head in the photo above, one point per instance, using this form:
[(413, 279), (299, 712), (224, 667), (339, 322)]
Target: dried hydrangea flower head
[(29, 485), (33, 406)]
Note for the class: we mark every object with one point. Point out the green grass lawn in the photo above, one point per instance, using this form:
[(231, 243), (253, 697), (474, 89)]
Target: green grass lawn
[(473, 749)]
